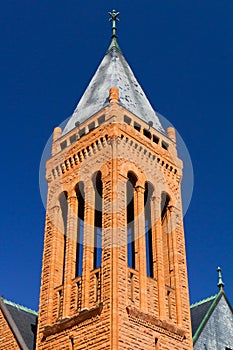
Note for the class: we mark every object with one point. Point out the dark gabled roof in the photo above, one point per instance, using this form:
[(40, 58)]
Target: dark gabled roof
[(22, 321), (199, 311)]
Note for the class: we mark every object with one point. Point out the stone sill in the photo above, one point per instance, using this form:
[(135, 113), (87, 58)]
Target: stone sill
[(73, 321)]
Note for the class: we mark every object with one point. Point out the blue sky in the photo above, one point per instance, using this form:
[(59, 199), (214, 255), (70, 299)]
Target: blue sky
[(180, 51)]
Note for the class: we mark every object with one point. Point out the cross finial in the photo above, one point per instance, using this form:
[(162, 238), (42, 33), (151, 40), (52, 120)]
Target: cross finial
[(220, 281), (113, 18)]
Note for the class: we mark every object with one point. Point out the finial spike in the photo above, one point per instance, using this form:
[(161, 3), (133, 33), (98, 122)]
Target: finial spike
[(114, 19), (220, 281)]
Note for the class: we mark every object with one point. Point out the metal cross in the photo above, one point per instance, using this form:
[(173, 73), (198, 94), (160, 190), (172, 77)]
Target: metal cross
[(114, 19)]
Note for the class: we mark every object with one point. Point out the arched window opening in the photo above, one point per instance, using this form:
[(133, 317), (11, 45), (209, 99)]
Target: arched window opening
[(98, 220), (167, 239), (130, 220), (64, 212), (148, 229), (164, 204), (80, 228)]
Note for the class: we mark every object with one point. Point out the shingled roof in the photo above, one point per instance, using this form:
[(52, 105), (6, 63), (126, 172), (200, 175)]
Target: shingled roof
[(22, 322), (113, 71), (201, 312)]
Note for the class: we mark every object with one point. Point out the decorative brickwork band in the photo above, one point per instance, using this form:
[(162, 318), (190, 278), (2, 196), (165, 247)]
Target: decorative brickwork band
[(156, 324)]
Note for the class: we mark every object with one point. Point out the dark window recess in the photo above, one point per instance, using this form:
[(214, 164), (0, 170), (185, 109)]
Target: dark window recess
[(98, 220), (64, 213), (127, 120), (164, 145), (148, 231), (73, 138), (130, 191), (81, 132), (147, 133), (164, 204), (101, 119), (137, 126), (63, 145), (80, 228), (155, 139), (91, 126)]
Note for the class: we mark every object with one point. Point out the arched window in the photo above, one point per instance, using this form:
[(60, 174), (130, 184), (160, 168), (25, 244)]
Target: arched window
[(64, 211), (80, 228), (148, 229), (167, 244), (98, 186), (130, 220)]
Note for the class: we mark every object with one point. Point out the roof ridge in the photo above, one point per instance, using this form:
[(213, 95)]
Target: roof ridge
[(204, 300), (21, 307)]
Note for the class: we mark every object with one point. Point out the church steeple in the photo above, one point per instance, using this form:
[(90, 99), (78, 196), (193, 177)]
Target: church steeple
[(114, 271), (113, 71)]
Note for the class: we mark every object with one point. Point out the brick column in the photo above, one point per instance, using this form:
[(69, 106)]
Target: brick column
[(110, 197), (176, 264), (153, 232), (54, 219), (140, 238), (156, 210), (88, 242), (71, 238)]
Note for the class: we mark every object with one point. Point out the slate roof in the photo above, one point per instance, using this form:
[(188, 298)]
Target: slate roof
[(22, 321), (113, 71), (199, 311)]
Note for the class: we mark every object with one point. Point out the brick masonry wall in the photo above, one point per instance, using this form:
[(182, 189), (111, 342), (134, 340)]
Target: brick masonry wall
[(124, 149), (7, 339), (218, 331)]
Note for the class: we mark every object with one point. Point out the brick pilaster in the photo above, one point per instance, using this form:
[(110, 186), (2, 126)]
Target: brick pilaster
[(156, 209), (140, 219), (88, 243), (55, 213), (70, 255)]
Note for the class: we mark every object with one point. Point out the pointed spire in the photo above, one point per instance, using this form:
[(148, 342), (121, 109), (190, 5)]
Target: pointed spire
[(220, 281), (114, 19)]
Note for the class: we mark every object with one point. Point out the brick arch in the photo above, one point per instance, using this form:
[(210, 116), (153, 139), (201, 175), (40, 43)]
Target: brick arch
[(127, 167), (70, 190), (160, 187)]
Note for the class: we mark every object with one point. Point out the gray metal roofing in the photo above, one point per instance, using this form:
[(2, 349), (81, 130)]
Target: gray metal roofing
[(113, 71), (26, 323)]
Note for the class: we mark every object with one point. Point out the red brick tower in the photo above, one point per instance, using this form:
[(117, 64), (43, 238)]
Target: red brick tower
[(114, 265)]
